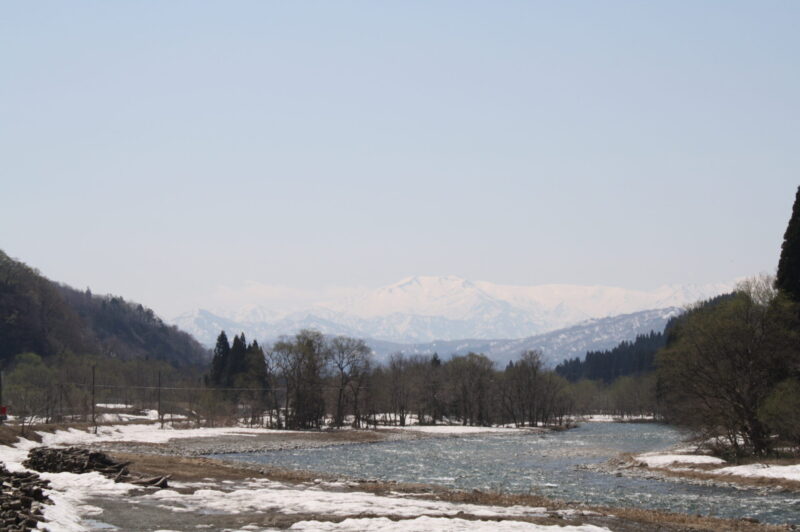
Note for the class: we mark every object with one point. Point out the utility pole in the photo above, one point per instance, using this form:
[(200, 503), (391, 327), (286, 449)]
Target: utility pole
[(2, 404), (160, 415), (94, 417)]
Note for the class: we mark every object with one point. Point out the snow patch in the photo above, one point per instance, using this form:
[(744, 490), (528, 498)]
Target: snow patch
[(662, 460), (424, 524), (789, 472), (266, 495), (449, 429)]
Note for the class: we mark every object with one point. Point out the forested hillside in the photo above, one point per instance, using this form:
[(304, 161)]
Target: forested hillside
[(43, 317), (628, 358)]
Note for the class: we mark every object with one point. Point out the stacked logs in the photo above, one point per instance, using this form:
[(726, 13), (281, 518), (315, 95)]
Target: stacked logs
[(21, 500), (78, 460), (72, 460)]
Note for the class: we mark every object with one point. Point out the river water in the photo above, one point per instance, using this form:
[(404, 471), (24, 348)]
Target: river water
[(543, 464)]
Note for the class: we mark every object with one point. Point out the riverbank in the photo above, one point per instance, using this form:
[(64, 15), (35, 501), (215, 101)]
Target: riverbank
[(332, 502), (215, 494), (780, 475)]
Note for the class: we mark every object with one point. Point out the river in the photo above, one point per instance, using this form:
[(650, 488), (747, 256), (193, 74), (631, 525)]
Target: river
[(543, 464)]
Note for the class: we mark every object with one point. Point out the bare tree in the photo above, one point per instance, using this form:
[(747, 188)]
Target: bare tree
[(400, 386), (723, 361), (273, 368), (303, 361), (349, 358), (471, 382)]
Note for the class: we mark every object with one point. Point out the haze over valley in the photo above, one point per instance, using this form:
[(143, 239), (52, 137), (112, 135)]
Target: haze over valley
[(449, 314)]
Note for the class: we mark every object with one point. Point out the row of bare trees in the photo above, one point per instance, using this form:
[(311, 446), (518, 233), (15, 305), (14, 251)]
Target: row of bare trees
[(312, 380), (81, 388)]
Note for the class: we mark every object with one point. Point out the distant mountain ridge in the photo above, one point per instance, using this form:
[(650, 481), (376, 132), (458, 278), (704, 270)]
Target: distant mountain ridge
[(424, 309), (556, 346)]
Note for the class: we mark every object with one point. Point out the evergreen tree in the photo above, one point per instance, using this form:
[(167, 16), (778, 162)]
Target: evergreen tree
[(788, 278), (220, 361), (255, 367), (237, 361), (253, 378), (628, 358)]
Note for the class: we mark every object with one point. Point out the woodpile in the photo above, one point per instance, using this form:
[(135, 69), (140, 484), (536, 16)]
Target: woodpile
[(72, 460), (79, 460), (21, 500)]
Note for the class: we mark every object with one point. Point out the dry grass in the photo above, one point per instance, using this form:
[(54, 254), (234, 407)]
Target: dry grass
[(646, 518), (672, 521), (182, 468), (9, 435), (708, 474)]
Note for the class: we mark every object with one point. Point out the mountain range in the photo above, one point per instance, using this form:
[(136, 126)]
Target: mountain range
[(428, 310), (556, 346)]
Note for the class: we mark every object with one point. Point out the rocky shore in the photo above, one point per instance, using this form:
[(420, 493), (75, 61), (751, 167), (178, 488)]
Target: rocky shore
[(21, 500), (78, 460)]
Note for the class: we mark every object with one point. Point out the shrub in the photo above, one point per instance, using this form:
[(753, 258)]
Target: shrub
[(780, 411)]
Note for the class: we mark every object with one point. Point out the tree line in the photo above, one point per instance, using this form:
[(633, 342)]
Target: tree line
[(68, 387), (308, 380), (628, 358)]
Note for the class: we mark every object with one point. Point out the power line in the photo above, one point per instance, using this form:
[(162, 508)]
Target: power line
[(194, 388)]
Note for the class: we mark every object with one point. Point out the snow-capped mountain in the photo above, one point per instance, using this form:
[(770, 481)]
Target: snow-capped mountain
[(423, 309), (575, 341)]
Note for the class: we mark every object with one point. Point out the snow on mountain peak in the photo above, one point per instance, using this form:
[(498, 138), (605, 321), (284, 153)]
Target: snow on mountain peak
[(448, 296), (427, 308)]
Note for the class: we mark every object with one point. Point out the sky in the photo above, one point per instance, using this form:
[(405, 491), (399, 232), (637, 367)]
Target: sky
[(176, 152)]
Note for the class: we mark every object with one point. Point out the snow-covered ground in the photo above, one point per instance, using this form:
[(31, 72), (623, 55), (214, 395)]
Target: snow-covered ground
[(449, 429), (75, 495), (787, 472), (141, 432), (679, 461), (665, 460), (608, 418), (113, 417), (323, 498)]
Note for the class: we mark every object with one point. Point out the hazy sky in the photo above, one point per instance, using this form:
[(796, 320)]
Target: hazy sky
[(172, 151)]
